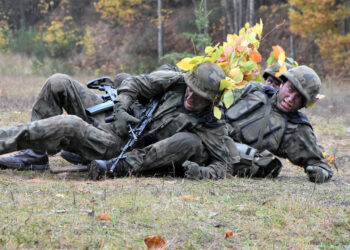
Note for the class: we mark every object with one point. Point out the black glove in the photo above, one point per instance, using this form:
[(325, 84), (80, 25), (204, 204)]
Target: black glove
[(317, 174), (122, 118)]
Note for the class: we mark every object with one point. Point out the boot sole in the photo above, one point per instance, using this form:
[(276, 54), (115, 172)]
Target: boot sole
[(21, 166)]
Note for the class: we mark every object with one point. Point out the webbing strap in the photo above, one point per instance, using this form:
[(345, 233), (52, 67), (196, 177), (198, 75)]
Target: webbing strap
[(263, 123)]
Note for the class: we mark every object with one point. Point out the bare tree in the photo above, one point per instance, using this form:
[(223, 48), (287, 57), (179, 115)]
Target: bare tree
[(228, 16), (235, 16), (291, 40), (251, 11), (240, 9), (205, 7), (160, 31)]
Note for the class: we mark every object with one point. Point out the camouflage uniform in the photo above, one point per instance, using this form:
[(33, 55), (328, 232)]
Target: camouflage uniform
[(256, 121), (176, 134), (50, 131)]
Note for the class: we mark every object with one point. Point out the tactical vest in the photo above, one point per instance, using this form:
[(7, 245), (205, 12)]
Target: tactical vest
[(247, 118)]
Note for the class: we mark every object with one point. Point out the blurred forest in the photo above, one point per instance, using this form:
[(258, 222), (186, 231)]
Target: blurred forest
[(109, 36)]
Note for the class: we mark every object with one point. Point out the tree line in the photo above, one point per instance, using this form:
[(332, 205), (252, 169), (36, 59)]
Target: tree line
[(102, 34)]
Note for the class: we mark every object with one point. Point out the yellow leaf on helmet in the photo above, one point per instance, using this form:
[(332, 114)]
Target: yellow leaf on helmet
[(225, 84), (241, 31), (281, 58), (217, 113), (184, 64), (231, 39), (324, 154), (209, 50), (234, 72), (247, 25), (296, 63), (227, 98)]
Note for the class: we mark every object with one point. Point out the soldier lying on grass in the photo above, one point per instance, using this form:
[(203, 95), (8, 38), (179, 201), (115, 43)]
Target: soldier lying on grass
[(183, 127), (264, 119)]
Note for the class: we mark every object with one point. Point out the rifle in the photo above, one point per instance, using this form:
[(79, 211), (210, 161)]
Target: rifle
[(108, 98), (136, 132)]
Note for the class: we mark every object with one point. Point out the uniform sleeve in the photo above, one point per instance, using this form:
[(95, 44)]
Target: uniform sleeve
[(148, 85), (299, 145)]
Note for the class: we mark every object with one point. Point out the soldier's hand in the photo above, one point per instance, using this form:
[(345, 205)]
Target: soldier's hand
[(122, 117), (317, 174), (191, 170)]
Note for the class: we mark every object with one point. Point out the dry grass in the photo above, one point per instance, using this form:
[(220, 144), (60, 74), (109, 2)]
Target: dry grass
[(41, 210)]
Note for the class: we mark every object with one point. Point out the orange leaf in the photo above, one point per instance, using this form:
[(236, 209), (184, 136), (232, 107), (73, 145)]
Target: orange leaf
[(255, 56), (154, 242), (187, 197), (104, 217), (330, 159), (228, 234), (239, 40), (277, 50), (228, 50), (241, 48), (222, 58), (84, 191)]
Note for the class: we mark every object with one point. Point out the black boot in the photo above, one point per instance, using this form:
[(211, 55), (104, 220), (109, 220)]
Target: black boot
[(25, 160), (101, 168), (74, 158)]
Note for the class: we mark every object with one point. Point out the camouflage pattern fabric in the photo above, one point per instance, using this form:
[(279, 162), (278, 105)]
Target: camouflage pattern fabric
[(285, 135), (210, 145), (50, 131)]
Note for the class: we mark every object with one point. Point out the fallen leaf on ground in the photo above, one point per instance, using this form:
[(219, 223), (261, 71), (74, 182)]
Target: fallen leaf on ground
[(84, 191), (154, 242), (228, 234), (104, 217), (188, 197)]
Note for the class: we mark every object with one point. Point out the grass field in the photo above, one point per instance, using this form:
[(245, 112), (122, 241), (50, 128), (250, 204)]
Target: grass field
[(42, 210)]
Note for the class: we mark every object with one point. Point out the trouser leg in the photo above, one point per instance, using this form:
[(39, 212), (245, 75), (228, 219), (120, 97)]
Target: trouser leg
[(62, 92), (66, 132), (169, 152)]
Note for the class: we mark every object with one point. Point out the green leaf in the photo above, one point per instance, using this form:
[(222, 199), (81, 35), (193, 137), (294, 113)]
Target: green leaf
[(249, 65), (196, 60), (271, 59), (217, 112), (291, 60), (224, 84), (228, 98), (238, 77)]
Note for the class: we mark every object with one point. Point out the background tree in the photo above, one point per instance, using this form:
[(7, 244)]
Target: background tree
[(324, 23)]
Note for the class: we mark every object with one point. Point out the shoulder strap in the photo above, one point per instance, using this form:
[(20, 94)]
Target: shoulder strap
[(264, 122)]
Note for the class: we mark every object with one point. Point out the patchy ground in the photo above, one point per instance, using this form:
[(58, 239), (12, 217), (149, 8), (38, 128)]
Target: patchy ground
[(42, 210)]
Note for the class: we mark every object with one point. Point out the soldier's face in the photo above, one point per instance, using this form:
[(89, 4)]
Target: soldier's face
[(270, 81), (289, 99), (194, 102)]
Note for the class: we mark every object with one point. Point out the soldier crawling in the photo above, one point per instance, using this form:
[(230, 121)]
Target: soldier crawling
[(265, 119)]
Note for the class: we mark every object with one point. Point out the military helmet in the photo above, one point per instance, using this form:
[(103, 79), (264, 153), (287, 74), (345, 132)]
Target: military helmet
[(119, 78), (205, 80), (305, 80), (271, 71)]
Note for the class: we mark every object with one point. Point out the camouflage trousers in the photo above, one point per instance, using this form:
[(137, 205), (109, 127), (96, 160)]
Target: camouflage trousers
[(168, 154), (50, 131)]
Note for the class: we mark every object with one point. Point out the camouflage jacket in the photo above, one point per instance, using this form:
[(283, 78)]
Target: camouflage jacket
[(171, 116), (285, 135)]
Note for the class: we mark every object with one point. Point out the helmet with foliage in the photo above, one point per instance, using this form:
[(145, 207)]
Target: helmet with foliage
[(306, 81), (271, 71), (205, 80)]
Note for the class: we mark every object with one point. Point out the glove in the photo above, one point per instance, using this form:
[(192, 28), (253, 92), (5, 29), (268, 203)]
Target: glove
[(191, 170), (317, 174), (122, 117)]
